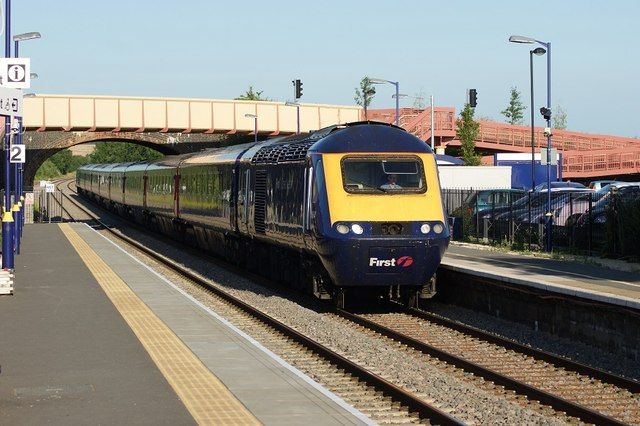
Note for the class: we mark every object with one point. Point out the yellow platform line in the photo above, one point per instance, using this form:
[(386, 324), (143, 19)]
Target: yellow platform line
[(205, 396)]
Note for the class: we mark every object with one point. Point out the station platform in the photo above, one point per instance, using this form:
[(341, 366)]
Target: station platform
[(573, 278), (91, 335)]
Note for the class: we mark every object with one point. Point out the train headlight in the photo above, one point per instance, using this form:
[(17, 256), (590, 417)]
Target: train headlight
[(438, 228), (342, 228), (357, 229), (425, 228)]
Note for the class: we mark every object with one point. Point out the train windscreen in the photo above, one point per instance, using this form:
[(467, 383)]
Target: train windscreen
[(380, 175)]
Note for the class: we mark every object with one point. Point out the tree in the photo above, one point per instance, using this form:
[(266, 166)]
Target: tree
[(514, 112), (559, 118), (250, 95), (467, 130), (66, 162), (46, 171), (364, 94), (122, 152)]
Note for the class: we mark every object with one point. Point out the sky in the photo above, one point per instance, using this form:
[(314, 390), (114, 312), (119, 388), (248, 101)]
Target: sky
[(216, 49)]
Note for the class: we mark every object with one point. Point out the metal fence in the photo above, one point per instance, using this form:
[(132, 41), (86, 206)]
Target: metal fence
[(585, 222), (47, 206)]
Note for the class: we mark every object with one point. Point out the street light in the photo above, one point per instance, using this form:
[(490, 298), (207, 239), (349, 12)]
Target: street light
[(255, 126), (395, 83), (26, 36), (539, 51), (297, 105), (549, 215), (33, 75)]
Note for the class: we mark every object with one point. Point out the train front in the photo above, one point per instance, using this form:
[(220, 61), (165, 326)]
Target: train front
[(383, 227)]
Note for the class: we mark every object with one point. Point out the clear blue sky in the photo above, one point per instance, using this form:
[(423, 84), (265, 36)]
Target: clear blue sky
[(216, 49)]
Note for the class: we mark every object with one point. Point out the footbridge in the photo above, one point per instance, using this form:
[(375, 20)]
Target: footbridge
[(169, 125), (584, 155), (176, 125)]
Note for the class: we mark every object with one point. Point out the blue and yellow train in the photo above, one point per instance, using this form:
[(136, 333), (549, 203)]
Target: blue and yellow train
[(349, 209)]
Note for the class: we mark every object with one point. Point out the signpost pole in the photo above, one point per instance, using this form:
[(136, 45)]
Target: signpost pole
[(7, 217)]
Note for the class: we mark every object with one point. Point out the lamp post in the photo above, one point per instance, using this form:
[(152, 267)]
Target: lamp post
[(537, 51), (395, 83), (255, 126), (297, 105), (18, 168), (549, 215)]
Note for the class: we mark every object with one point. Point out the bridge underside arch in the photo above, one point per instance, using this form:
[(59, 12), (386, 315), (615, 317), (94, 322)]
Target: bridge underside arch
[(42, 145)]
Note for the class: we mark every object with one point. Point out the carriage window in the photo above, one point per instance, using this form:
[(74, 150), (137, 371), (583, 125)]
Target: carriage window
[(379, 175)]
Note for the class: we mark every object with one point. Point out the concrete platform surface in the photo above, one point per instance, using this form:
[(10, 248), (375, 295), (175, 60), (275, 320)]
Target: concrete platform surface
[(68, 356), (591, 282)]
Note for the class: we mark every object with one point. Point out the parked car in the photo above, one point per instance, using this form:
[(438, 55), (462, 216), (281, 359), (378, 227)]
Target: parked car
[(599, 184), (597, 217), (569, 213), (556, 185), (536, 204), (490, 199)]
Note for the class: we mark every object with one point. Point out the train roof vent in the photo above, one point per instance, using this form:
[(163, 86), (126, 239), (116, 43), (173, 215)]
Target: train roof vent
[(278, 153)]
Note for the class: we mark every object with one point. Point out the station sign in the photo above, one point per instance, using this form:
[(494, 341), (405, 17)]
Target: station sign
[(18, 153), (15, 73), (50, 188), (10, 102)]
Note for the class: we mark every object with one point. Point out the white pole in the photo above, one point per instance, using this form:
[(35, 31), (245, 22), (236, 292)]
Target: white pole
[(432, 127)]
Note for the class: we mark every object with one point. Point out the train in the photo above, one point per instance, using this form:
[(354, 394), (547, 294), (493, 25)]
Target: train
[(348, 211)]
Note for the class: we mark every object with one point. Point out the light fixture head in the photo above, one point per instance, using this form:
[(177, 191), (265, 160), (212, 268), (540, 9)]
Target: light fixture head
[(33, 75), (521, 39), (378, 81), (539, 51), (400, 95), (26, 36), (251, 116)]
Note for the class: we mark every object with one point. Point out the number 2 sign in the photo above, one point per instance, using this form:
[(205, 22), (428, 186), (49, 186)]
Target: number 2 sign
[(18, 153)]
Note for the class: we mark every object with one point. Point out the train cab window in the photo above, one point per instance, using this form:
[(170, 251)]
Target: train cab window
[(382, 175)]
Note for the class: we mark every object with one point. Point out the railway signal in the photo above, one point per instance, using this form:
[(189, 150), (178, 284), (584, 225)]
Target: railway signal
[(473, 98), (297, 84)]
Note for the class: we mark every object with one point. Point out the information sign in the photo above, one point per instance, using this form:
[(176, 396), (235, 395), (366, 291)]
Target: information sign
[(15, 72), (50, 188), (18, 153), (10, 102)]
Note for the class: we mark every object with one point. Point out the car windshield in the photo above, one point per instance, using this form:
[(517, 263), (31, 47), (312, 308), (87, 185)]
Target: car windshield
[(381, 175)]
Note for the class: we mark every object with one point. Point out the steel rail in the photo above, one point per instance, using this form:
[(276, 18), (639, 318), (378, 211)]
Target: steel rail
[(631, 385), (413, 403), (557, 403)]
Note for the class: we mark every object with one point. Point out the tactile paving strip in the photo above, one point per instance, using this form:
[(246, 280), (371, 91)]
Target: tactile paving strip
[(204, 395)]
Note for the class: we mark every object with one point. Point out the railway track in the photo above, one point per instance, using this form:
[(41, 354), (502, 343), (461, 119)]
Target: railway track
[(373, 395), (592, 395), (588, 394)]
